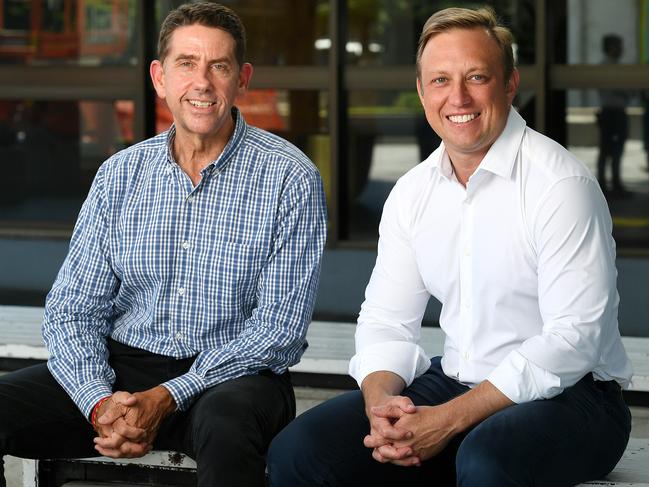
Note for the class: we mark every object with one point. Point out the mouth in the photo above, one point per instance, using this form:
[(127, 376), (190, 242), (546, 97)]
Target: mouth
[(465, 118), (201, 103)]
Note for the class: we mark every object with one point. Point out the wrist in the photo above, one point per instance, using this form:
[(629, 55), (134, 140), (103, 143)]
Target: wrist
[(94, 415), (165, 400)]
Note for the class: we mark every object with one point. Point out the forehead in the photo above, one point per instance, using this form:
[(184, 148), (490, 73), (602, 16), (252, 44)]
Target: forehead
[(191, 38), (460, 47)]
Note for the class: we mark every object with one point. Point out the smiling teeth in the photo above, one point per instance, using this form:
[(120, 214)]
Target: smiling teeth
[(461, 118), (201, 104)]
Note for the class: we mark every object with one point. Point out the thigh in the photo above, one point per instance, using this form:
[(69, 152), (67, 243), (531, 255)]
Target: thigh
[(228, 429), (262, 403), (324, 446), (576, 436), (39, 419)]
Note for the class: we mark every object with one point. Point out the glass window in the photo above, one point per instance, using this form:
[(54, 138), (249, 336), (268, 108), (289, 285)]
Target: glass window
[(386, 32), (605, 32), (279, 33), (388, 134), (609, 131), (87, 32), (51, 151)]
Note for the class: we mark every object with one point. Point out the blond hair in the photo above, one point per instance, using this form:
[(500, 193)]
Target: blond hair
[(464, 18)]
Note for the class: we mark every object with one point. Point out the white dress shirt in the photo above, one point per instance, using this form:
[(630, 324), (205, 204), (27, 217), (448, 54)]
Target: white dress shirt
[(522, 260)]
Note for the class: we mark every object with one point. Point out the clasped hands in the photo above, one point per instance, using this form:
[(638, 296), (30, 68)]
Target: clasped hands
[(404, 434), (127, 423)]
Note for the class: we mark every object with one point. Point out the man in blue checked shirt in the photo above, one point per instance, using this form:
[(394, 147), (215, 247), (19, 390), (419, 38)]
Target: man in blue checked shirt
[(189, 283)]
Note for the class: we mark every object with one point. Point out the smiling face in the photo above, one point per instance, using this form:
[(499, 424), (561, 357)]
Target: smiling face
[(464, 93), (200, 79)]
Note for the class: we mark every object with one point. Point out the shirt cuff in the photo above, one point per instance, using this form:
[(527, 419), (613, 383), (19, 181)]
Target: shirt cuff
[(88, 395), (522, 381), (185, 389), (407, 360)]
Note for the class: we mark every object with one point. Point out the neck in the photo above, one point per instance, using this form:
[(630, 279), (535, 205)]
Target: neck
[(464, 166), (194, 153)]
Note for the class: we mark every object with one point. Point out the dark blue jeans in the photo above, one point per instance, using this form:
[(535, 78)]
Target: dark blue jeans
[(576, 436)]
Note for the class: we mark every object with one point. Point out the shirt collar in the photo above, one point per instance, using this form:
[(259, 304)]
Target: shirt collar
[(499, 159), (240, 130)]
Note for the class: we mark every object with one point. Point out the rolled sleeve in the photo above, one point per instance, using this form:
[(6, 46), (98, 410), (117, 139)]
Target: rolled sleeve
[(407, 360), (522, 381)]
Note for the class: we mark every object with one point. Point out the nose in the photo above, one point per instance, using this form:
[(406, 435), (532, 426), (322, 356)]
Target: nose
[(201, 79), (460, 95)]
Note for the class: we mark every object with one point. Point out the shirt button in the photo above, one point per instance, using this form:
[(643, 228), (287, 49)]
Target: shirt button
[(181, 291), (467, 252), (185, 245), (465, 355), (190, 198), (179, 337), (467, 305)]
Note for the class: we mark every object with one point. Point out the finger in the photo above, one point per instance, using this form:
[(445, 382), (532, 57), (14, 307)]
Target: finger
[(392, 453), (134, 450), (388, 411), (389, 432), (113, 441), (124, 398), (108, 452), (112, 414), (408, 462), (131, 433), (405, 404), (378, 457)]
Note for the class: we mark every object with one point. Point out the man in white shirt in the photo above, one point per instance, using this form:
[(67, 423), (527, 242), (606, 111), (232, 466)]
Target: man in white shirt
[(512, 235)]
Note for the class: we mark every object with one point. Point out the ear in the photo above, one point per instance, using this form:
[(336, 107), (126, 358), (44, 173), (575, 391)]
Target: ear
[(158, 77), (420, 91), (245, 75), (512, 85)]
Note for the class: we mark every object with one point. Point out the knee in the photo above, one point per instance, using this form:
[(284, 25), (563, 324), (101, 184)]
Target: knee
[(291, 456), (480, 462), (234, 428)]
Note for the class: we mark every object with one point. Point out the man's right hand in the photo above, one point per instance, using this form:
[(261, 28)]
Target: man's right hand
[(383, 432), (381, 391), (121, 439)]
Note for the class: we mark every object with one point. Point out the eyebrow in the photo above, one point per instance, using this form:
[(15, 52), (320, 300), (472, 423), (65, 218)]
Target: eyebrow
[(193, 57)]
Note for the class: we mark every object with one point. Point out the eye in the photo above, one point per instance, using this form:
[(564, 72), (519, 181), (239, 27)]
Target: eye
[(439, 80), (220, 67), (185, 64), (478, 77)]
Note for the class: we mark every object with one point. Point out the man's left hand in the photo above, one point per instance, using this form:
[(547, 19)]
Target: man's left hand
[(146, 413), (431, 427)]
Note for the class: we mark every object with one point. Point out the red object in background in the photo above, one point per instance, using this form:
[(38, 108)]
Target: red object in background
[(259, 108)]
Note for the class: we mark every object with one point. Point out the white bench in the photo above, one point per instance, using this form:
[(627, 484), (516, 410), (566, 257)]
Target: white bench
[(331, 347), (331, 344)]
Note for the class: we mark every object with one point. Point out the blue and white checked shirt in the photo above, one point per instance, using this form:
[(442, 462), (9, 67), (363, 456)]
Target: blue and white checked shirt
[(225, 271)]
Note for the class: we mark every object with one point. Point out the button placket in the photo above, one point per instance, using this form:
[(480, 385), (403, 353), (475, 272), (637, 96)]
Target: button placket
[(466, 281)]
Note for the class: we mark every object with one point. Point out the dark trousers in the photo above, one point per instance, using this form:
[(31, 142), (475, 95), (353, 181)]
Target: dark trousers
[(227, 430), (576, 436)]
